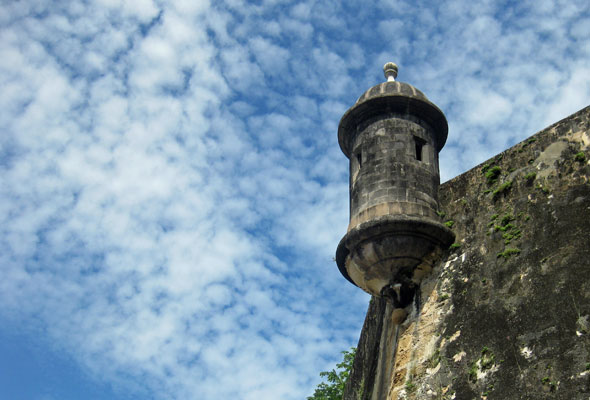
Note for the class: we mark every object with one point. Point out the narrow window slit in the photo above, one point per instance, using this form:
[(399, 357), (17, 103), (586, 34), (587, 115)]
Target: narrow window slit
[(419, 147), (355, 165)]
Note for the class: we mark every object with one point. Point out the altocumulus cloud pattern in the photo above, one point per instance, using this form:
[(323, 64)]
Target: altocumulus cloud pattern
[(172, 191)]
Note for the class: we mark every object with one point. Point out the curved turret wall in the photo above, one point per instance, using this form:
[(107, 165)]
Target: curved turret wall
[(393, 170), (392, 136)]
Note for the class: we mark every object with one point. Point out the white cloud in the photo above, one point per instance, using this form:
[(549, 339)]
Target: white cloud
[(173, 191), (390, 29), (485, 107), (299, 30), (570, 96), (143, 10), (272, 58)]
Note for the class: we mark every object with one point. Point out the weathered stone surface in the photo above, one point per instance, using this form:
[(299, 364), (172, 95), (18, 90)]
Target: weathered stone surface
[(506, 313), (362, 376), (392, 136)]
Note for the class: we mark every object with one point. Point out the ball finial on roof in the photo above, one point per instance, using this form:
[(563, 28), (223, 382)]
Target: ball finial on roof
[(390, 71)]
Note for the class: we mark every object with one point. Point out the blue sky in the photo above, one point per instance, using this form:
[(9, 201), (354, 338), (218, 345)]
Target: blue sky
[(172, 191)]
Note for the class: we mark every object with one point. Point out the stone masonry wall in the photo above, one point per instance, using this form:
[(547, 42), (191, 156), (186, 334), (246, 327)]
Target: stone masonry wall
[(506, 313), (391, 176)]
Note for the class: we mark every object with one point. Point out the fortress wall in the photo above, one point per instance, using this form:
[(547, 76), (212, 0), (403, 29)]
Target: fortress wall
[(506, 312)]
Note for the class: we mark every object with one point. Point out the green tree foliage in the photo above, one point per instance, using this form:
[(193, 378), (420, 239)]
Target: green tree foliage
[(333, 389)]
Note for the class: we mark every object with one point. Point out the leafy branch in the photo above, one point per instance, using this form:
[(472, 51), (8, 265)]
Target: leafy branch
[(336, 379)]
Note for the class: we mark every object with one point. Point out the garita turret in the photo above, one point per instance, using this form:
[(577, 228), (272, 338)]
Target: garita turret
[(392, 136)]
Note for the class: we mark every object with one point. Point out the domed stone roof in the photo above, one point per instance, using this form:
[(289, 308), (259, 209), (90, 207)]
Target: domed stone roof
[(392, 88), (392, 97)]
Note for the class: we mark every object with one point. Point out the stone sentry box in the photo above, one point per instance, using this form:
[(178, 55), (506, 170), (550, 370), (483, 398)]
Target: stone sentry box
[(392, 137)]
